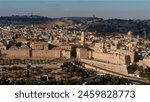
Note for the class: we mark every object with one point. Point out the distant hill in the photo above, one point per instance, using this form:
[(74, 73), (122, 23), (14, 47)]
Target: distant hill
[(35, 19), (119, 26), (92, 24), (22, 20), (66, 21)]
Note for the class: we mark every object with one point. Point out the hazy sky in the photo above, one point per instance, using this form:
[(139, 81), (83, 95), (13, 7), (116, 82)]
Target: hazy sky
[(128, 9)]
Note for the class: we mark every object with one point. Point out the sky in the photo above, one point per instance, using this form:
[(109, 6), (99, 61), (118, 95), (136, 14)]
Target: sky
[(123, 9)]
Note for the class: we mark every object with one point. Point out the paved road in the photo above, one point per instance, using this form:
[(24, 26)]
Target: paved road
[(99, 68)]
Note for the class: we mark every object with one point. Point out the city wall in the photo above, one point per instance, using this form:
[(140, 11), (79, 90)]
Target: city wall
[(96, 65), (145, 62), (82, 53), (66, 54), (19, 53), (46, 53), (109, 58), (107, 71), (27, 53)]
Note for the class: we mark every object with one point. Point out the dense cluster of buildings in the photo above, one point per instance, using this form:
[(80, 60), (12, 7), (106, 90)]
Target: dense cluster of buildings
[(19, 42), (35, 42), (121, 49)]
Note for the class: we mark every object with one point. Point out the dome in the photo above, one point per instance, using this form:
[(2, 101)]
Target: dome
[(130, 33)]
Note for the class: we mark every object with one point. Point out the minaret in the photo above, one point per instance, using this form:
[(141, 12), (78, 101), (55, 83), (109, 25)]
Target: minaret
[(82, 38)]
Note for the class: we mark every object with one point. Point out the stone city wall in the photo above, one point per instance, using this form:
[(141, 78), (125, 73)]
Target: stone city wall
[(146, 62), (82, 53), (27, 53), (109, 58), (66, 54), (19, 53), (106, 66), (46, 53)]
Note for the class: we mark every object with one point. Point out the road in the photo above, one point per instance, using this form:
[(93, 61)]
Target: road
[(97, 66)]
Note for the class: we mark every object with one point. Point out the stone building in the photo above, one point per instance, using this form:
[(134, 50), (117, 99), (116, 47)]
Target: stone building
[(82, 53), (112, 54), (39, 46)]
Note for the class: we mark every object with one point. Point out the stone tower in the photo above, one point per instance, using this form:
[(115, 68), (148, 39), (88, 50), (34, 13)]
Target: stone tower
[(82, 38)]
